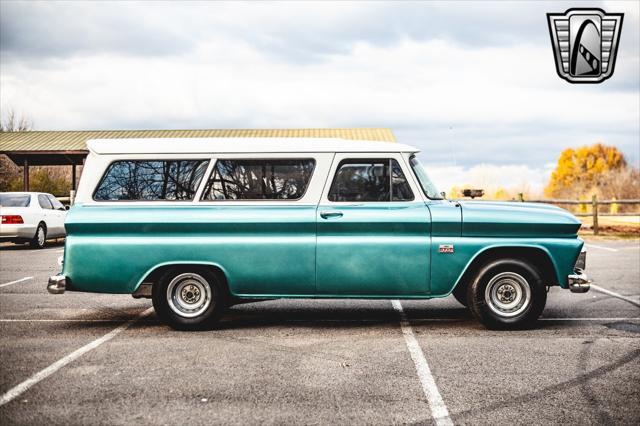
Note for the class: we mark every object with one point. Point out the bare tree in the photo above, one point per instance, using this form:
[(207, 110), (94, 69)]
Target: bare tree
[(11, 122), (9, 172)]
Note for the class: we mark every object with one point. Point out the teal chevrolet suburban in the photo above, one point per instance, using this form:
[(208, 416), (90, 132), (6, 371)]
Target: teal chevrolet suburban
[(200, 224)]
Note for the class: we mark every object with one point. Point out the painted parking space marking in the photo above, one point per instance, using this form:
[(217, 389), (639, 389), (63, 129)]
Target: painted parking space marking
[(592, 319), (600, 247), (19, 389), (16, 281), (62, 320), (614, 294), (304, 321), (439, 410)]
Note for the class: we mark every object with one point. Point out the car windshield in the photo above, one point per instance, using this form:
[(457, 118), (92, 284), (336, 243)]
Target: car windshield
[(428, 187), (15, 200)]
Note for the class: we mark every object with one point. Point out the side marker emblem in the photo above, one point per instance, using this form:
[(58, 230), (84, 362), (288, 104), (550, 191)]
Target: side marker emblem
[(445, 248)]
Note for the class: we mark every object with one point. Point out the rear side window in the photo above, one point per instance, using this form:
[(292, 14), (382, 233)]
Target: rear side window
[(142, 180), (57, 205), (15, 200), (44, 202), (379, 179), (268, 179)]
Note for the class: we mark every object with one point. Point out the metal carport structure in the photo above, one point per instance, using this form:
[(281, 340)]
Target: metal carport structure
[(69, 148)]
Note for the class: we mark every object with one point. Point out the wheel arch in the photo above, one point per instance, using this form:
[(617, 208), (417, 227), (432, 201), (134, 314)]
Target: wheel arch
[(154, 273), (537, 255)]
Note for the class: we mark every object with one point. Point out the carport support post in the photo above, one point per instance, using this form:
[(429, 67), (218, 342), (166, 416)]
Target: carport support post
[(73, 177), (25, 175), (594, 208)]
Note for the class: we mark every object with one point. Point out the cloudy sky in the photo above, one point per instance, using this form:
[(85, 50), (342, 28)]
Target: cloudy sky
[(472, 84)]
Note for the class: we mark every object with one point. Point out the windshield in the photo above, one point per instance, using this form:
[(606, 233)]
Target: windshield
[(15, 200), (428, 187)]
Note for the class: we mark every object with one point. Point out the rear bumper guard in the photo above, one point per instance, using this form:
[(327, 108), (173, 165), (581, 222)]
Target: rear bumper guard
[(57, 284)]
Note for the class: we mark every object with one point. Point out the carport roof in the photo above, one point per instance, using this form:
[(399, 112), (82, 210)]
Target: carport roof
[(74, 142)]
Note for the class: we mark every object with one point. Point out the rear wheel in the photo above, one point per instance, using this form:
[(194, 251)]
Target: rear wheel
[(507, 294), (40, 238), (188, 299)]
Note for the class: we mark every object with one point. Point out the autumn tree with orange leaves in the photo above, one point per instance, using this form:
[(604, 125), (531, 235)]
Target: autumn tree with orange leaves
[(596, 169)]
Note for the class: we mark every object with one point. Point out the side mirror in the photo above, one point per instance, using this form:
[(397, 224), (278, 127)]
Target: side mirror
[(67, 207), (473, 193), (444, 195)]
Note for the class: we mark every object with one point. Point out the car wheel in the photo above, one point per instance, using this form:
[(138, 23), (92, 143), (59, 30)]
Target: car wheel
[(40, 238), (188, 299), (507, 294), (460, 293)]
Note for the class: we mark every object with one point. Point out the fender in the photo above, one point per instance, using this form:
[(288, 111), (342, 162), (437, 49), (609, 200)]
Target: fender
[(448, 270), (154, 268)]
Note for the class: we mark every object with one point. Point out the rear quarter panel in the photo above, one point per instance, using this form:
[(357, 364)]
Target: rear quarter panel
[(264, 249)]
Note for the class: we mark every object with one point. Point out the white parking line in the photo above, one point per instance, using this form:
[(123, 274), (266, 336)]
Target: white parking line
[(16, 281), (60, 320), (439, 410), (600, 247), (592, 319), (363, 320), (614, 294), (43, 374)]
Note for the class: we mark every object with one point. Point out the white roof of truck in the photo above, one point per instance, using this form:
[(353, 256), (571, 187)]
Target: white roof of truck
[(240, 145)]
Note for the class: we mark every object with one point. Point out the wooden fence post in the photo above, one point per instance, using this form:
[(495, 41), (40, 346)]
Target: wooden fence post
[(594, 208)]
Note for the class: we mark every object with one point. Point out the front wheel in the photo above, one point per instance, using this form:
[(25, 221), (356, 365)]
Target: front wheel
[(507, 294), (188, 299)]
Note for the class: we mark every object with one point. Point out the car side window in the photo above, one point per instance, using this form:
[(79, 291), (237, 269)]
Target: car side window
[(44, 202), (268, 179), (379, 179), (151, 180), (57, 205)]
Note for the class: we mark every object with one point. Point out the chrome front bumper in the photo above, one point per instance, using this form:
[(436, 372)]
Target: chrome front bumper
[(57, 284), (578, 281)]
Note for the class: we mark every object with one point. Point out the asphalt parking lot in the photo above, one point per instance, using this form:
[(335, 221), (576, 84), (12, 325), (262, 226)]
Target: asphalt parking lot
[(105, 359)]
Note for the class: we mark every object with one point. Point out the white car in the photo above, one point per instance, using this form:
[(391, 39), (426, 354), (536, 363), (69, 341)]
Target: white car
[(31, 217)]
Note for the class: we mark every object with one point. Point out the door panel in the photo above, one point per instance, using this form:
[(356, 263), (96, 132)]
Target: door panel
[(372, 247), (46, 213), (56, 217)]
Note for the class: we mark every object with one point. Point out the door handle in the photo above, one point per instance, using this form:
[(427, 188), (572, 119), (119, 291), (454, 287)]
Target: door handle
[(329, 215)]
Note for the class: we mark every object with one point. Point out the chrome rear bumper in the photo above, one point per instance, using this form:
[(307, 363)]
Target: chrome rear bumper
[(57, 284), (578, 281)]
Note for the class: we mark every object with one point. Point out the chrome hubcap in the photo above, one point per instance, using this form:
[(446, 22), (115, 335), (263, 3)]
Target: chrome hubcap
[(189, 295), (508, 294), (40, 236)]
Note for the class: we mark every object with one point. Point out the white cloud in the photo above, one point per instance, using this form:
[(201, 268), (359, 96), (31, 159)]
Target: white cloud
[(460, 100)]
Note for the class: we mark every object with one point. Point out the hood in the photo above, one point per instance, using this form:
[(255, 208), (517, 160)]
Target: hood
[(515, 219)]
